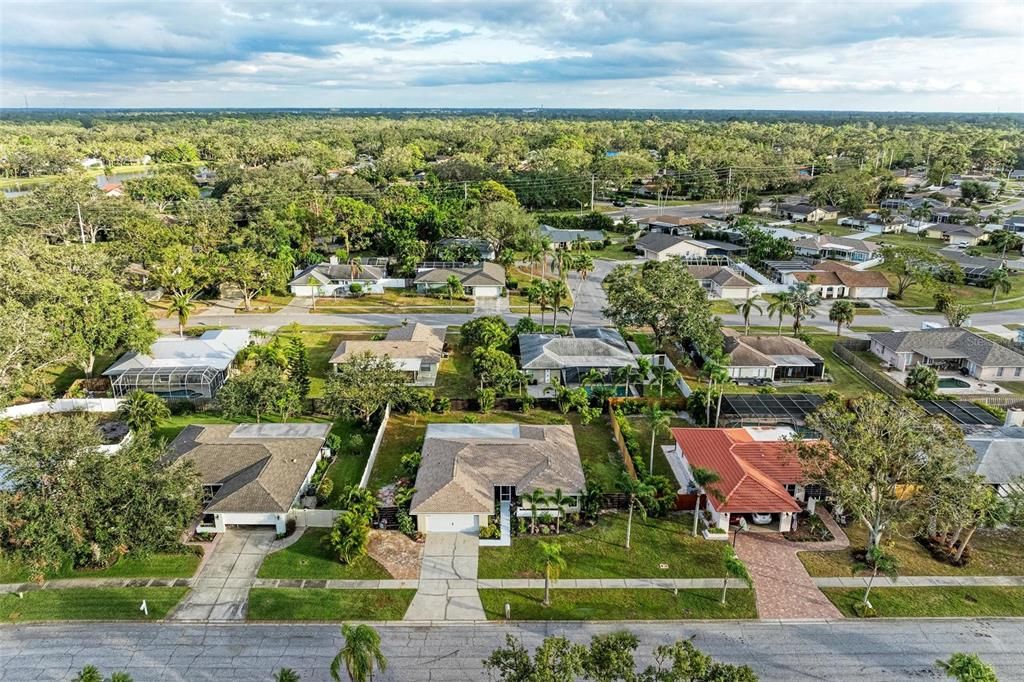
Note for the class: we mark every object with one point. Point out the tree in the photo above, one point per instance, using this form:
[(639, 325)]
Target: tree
[(801, 303), (254, 273), (91, 673), (842, 313), (490, 331), (923, 382), (640, 496), (298, 367), (354, 219), (361, 654), (501, 223), (583, 265), (982, 507), (664, 374), (683, 662), (99, 317), (875, 450), (781, 306), (349, 536), (912, 265), (746, 309), (453, 286), (553, 563), (877, 561), (494, 368), (360, 501), (556, 659), (611, 657), (535, 500), (664, 296), (659, 421), (560, 500), (181, 305), (967, 668), (362, 386), (999, 281), (559, 292), (265, 389), (956, 314), (737, 570), (142, 411), (703, 479)]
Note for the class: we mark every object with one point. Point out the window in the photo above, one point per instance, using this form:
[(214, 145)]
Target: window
[(999, 372), (1017, 372)]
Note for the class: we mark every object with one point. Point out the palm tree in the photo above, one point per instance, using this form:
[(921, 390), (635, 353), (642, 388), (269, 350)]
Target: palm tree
[(624, 375), (543, 291), (143, 411), (453, 285), (801, 303), (602, 392), (841, 312), (535, 500), (638, 492), (356, 265), (530, 293), (561, 501), (286, 675), (583, 265), (563, 395), (181, 305), (703, 479), (734, 568), (1000, 281), (746, 308), (877, 561), (559, 291), (664, 374), (553, 563), (781, 306), (545, 249), (643, 370), (659, 420), (360, 655), (593, 376), (315, 289), (533, 255), (714, 369)]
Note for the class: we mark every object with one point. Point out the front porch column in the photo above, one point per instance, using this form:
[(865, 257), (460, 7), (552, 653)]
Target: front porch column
[(785, 522)]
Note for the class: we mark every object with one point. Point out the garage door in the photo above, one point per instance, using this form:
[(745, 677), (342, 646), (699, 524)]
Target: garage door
[(451, 523)]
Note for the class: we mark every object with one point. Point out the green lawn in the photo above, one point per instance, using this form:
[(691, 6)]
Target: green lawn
[(90, 603), (180, 565), (619, 604), (321, 342), (978, 298), (310, 558), (998, 552), (830, 227), (719, 307), (907, 240), (455, 377), (269, 303), (392, 301), (617, 251), (933, 602), (288, 603), (598, 452), (1013, 386), (643, 429), (55, 381), (600, 552)]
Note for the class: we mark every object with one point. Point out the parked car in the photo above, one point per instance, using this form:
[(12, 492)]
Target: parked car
[(619, 203), (761, 519)]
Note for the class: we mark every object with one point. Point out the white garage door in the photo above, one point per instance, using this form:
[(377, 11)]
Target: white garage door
[(451, 523)]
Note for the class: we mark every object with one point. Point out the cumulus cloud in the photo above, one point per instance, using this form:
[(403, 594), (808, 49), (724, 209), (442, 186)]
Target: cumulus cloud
[(908, 54)]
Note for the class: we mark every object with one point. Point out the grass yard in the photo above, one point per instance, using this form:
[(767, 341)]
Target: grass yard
[(933, 602), (998, 552), (1012, 386), (979, 299), (289, 603), (830, 227), (392, 301), (321, 343), (455, 376), (405, 432), (163, 565), (643, 429), (619, 604), (310, 558), (907, 240), (600, 552), (55, 381), (720, 307), (616, 251), (270, 303), (598, 452), (90, 603)]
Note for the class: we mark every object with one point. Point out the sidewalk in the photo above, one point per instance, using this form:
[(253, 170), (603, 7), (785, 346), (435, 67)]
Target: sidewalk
[(926, 581)]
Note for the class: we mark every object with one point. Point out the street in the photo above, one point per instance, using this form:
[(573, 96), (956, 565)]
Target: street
[(840, 650)]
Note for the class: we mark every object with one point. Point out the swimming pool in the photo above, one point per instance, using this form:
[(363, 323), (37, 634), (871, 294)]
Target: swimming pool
[(951, 382)]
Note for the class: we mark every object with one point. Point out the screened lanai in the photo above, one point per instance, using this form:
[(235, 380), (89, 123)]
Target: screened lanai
[(195, 384)]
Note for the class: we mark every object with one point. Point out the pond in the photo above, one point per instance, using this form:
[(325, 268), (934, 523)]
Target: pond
[(951, 382)]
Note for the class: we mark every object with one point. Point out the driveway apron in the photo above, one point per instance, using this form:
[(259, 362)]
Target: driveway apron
[(447, 588)]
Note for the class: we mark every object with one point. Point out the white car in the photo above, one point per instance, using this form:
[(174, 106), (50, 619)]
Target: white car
[(761, 519)]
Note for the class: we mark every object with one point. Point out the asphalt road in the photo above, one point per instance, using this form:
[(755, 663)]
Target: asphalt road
[(841, 650)]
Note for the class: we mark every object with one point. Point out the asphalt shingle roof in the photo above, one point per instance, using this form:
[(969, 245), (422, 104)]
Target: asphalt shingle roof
[(956, 343)]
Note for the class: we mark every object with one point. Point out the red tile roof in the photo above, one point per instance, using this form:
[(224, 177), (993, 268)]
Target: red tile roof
[(753, 473)]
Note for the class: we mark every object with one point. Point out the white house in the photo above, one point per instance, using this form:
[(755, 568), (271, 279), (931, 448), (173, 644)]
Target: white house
[(832, 279), (337, 279), (486, 280), (950, 349)]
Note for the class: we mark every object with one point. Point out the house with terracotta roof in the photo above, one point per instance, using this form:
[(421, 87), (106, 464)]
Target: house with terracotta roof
[(112, 189), (759, 474), (831, 279), (763, 359), (415, 349)]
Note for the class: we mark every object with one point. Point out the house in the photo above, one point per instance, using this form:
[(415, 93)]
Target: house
[(760, 359), (964, 235), (175, 368), (670, 224), (252, 474), (950, 214), (468, 469), (484, 249), (112, 189), (782, 232), (1014, 223), (486, 280), (999, 452), (567, 239), (550, 357), (877, 223), (824, 246), (721, 282), (659, 246), (757, 469), (832, 279), (340, 279), (949, 348), (806, 213), (1016, 174), (976, 269), (415, 349), (778, 270)]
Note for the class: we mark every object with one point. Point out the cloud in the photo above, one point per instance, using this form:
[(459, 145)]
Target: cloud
[(909, 54)]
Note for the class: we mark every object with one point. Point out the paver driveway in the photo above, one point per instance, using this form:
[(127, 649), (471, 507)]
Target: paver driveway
[(221, 590), (447, 588)]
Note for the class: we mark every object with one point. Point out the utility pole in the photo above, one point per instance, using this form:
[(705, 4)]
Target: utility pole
[(81, 227), (593, 182), (728, 190), (465, 191), (812, 170)]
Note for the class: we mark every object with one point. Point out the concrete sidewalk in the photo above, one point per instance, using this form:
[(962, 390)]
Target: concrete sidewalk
[(926, 581)]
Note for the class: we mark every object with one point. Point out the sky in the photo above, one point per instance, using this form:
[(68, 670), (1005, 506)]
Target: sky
[(775, 54)]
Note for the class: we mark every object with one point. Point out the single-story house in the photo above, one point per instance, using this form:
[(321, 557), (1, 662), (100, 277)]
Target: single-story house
[(336, 279), (876, 223), (757, 359), (999, 457), (486, 280), (949, 348), (721, 282), (806, 213), (415, 349), (837, 248), (832, 279), (670, 224), (112, 189), (176, 368), (547, 357), (466, 469), (949, 214), (1014, 223), (778, 270), (782, 232), (567, 239), (252, 474), (977, 269), (965, 235), (661, 246), (758, 472)]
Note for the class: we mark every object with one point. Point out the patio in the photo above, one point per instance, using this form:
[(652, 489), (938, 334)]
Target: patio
[(947, 378)]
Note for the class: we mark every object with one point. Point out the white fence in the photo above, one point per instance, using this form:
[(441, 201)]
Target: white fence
[(869, 264), (376, 447), (61, 405), (752, 273), (394, 283), (314, 518)]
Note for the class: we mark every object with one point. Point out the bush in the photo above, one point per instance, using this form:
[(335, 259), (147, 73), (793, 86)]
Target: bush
[(411, 463), (324, 490), (355, 288), (406, 524), (349, 536), (441, 405), (491, 532), (355, 443), (486, 397), (526, 403)]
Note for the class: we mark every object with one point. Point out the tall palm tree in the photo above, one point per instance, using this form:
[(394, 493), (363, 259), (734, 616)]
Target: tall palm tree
[(535, 500), (543, 291), (553, 563), (703, 479), (746, 308), (360, 655), (639, 493), (545, 248), (643, 370), (534, 255), (801, 303), (593, 376), (664, 374), (780, 306), (356, 265), (624, 375), (181, 305), (659, 420), (734, 568), (583, 265), (841, 312), (561, 501), (714, 370), (530, 292), (453, 285), (559, 292), (1000, 281), (315, 289)]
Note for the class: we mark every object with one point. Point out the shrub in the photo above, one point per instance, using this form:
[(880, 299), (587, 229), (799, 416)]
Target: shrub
[(441, 405), (349, 536), (717, 530), (491, 532), (526, 403), (355, 288), (486, 397), (411, 463), (324, 490), (355, 443), (405, 523)]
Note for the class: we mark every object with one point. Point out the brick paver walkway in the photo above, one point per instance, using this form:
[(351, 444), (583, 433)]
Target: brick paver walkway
[(784, 589)]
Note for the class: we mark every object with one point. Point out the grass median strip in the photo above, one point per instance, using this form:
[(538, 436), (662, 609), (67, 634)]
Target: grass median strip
[(310, 558), (932, 602), (618, 604), (98, 603), (180, 565), (289, 603)]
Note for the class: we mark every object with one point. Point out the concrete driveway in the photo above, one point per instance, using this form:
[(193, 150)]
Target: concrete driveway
[(447, 588), (221, 590)]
